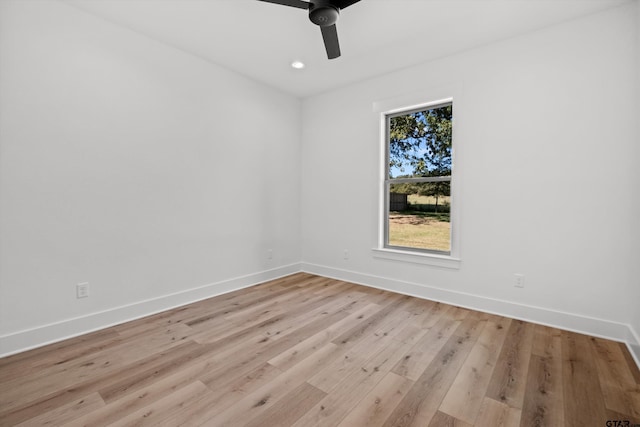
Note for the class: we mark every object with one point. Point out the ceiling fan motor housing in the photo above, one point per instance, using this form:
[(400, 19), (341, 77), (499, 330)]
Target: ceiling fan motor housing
[(323, 13)]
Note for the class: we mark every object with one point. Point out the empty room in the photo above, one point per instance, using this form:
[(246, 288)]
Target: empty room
[(320, 213)]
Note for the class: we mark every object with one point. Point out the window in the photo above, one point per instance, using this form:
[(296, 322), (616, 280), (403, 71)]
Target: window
[(417, 184)]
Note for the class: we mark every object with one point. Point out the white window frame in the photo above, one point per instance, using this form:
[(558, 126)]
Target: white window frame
[(408, 104)]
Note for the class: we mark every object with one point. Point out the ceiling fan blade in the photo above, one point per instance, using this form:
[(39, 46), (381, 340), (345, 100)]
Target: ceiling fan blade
[(344, 3), (293, 3), (330, 36)]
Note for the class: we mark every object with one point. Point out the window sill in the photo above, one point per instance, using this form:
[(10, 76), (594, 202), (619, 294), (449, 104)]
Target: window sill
[(444, 261)]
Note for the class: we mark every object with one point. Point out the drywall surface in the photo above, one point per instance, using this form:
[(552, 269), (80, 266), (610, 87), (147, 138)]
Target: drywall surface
[(545, 134), (634, 285), (132, 166)]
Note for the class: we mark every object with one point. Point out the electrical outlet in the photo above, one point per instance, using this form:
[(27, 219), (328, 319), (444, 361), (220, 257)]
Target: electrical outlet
[(519, 280), (270, 253), (345, 254), (82, 290)]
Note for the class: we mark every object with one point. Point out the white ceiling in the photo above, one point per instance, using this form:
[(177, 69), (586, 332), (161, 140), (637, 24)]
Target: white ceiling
[(260, 40)]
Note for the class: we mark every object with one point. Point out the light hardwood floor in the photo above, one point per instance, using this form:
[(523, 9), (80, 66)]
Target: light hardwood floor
[(306, 350)]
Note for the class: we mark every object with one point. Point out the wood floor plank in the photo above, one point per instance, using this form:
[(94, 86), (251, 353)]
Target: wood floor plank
[(546, 341), (103, 359), (350, 391), (440, 419), (621, 392), (142, 374), (418, 307), (421, 403), (298, 322), (377, 405), (373, 322), (52, 378), (256, 403), (583, 399), (498, 414), (510, 374), (279, 324), (360, 349), (465, 397), (247, 312), (241, 362), (298, 352), (19, 409), (543, 400), (163, 412), (425, 350), (631, 364), (214, 306), (409, 333), (290, 408), (430, 317), (55, 354), (308, 350), (224, 308), (64, 414), (145, 396), (222, 397)]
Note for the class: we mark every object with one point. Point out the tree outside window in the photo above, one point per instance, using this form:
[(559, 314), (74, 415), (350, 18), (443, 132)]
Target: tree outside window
[(418, 179)]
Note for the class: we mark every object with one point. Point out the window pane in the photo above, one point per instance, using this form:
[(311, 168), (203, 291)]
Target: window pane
[(419, 216), (420, 143)]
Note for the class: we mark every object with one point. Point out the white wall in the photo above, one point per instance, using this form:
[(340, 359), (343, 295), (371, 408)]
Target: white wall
[(547, 146), (635, 282), (135, 167)]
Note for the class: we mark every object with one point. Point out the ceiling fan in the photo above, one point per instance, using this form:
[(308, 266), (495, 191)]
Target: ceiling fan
[(323, 13)]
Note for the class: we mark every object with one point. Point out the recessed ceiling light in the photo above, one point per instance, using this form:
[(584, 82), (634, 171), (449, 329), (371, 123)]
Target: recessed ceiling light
[(298, 65)]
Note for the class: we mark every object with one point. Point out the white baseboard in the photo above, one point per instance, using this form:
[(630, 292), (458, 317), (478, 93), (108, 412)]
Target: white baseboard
[(558, 319), (36, 337), (633, 343), (46, 334)]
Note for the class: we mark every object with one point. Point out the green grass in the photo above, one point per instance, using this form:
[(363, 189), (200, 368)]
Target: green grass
[(415, 199), (425, 216), (420, 230)]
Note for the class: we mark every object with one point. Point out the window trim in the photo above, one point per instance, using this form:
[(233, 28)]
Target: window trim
[(414, 257), (407, 105)]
